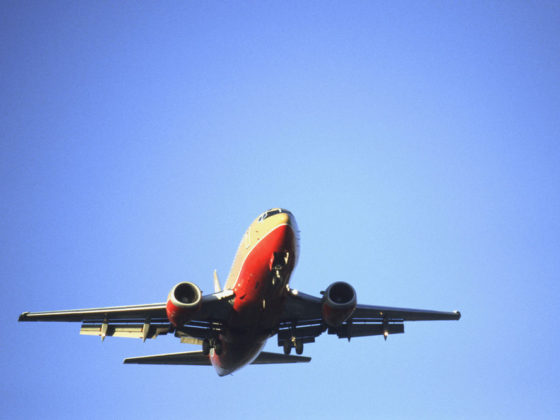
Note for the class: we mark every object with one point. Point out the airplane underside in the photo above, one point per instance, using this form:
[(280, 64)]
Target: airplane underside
[(233, 324)]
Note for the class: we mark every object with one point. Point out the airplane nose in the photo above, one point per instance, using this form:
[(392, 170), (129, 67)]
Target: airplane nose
[(287, 219), (292, 222), (283, 218)]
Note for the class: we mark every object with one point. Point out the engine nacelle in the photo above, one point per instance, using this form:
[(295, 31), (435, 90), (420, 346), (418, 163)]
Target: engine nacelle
[(184, 300), (340, 303)]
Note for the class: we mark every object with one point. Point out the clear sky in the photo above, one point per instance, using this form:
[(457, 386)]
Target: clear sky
[(416, 143)]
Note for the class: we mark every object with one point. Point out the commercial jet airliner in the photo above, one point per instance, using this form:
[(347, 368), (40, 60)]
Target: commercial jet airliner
[(232, 324)]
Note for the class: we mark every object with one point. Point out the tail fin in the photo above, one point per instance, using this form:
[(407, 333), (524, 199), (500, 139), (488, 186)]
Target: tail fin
[(217, 287)]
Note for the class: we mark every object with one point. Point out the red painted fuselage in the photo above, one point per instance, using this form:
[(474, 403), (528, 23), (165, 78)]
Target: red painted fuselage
[(260, 274)]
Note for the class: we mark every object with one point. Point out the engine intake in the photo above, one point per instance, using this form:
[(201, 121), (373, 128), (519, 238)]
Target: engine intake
[(340, 303), (184, 300)]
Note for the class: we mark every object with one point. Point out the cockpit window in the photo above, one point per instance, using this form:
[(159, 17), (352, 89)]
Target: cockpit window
[(272, 213)]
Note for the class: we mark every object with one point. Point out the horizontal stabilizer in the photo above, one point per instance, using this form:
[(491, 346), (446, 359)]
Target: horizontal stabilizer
[(266, 358), (197, 358)]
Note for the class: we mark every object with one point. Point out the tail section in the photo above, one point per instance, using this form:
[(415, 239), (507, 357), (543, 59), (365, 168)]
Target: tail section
[(217, 287)]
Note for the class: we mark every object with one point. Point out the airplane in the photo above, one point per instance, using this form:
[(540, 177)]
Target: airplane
[(233, 324)]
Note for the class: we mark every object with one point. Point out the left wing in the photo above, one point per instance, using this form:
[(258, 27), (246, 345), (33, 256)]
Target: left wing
[(138, 321), (302, 319), (153, 311)]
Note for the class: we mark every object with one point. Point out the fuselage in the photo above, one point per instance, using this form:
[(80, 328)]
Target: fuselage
[(259, 277)]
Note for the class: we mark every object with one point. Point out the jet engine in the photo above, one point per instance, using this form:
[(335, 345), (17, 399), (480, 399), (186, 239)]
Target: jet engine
[(339, 303), (183, 302)]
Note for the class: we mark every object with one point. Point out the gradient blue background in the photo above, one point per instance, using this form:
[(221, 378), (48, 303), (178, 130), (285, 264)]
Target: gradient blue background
[(416, 143)]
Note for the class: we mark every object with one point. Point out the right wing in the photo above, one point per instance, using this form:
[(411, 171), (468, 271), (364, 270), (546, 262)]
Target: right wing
[(302, 319), (303, 308), (140, 321)]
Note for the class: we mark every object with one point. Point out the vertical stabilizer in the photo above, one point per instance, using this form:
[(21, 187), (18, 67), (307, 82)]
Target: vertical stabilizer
[(217, 287)]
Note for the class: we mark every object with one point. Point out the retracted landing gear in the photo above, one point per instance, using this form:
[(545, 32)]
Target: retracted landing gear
[(299, 346), (206, 347), (218, 347), (288, 344), (278, 261), (216, 344)]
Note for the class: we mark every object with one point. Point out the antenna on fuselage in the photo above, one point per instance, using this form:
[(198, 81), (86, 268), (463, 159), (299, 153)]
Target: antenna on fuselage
[(217, 287)]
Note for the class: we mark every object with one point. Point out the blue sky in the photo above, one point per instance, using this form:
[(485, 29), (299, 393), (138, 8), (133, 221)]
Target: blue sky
[(416, 144)]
